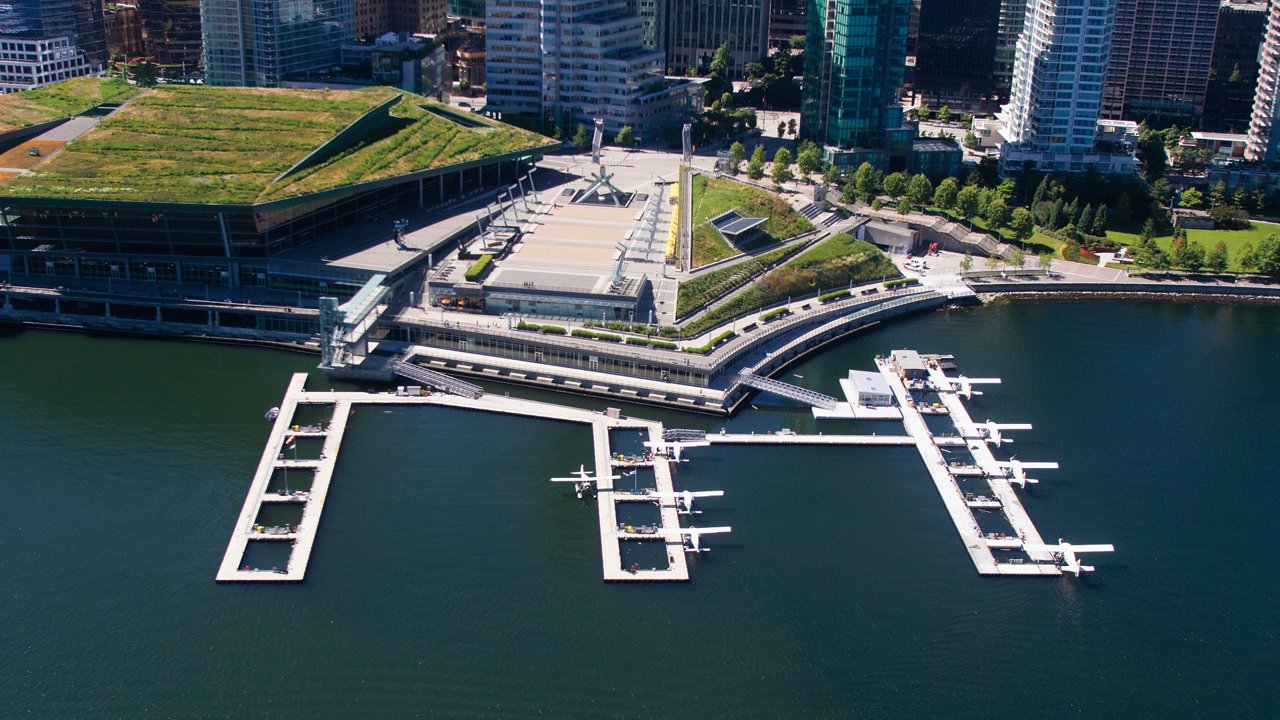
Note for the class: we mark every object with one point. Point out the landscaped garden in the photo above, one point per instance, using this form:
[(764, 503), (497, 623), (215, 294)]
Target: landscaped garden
[(716, 196), (71, 97), (232, 145)]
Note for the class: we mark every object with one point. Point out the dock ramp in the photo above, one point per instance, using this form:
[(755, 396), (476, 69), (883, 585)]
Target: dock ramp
[(793, 392), (683, 435), (436, 380)]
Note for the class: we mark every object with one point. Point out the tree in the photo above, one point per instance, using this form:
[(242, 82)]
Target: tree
[(737, 153), (791, 127), (1100, 221), (968, 201), (1218, 194), (624, 136), (904, 207), (895, 185), (782, 128), (1148, 231), (993, 262), (753, 70), (876, 203), (144, 74), (849, 193), (1191, 197), (996, 212), (1046, 261), (1269, 255), (755, 167), (1217, 259), (919, 190), (966, 262), (924, 112), (832, 175), (580, 138), (1019, 258), (1151, 151), (1022, 224), (1248, 259), (809, 158), (944, 196), (867, 180), (944, 114), (971, 140), (1086, 219), (720, 61), (781, 172)]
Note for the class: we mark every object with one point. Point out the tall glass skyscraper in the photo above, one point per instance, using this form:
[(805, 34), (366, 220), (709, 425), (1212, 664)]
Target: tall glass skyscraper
[(855, 53), (259, 42), (172, 31)]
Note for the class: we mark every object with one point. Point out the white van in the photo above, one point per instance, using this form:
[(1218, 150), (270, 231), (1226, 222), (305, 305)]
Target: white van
[(916, 265)]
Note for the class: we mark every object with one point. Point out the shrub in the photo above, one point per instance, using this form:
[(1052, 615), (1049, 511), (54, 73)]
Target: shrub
[(660, 344), (553, 330), (607, 337), (902, 282), (704, 349), (479, 268), (775, 314), (828, 297)]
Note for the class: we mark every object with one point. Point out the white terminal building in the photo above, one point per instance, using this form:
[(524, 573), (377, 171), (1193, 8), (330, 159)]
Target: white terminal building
[(572, 61), (1051, 120)]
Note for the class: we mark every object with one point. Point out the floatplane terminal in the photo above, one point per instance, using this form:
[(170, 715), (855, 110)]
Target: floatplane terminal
[(906, 386)]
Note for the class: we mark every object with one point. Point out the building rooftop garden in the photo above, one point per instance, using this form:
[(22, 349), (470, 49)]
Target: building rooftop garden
[(72, 97), (192, 144)]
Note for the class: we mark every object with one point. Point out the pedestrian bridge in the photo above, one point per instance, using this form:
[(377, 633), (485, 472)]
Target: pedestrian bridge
[(786, 390)]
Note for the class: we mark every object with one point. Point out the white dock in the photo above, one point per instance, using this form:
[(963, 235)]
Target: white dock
[(798, 439), (976, 542)]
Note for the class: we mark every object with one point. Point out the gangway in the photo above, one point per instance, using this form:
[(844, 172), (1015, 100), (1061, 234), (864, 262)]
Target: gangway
[(786, 390), (439, 381), (683, 435)]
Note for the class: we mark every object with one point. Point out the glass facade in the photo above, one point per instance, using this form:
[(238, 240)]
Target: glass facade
[(80, 20), (854, 63), (172, 31), (258, 42), (955, 59)]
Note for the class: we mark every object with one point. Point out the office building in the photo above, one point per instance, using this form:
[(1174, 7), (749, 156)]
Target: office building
[(854, 59), (1159, 63), (568, 62), (1008, 30), (260, 42), (44, 41), (375, 18), (1234, 72), (955, 54), (786, 20), (122, 26), (171, 33), (697, 28), (1264, 141), (465, 9), (654, 14)]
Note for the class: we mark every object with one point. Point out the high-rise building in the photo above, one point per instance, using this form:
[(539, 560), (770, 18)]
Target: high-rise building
[(1264, 141), (50, 40), (654, 14), (260, 42), (697, 28), (955, 54), (123, 29), (466, 9), (855, 52), (1234, 73), (1051, 119), (374, 18), (786, 20), (171, 31), (1159, 64), (571, 61), (1008, 30)]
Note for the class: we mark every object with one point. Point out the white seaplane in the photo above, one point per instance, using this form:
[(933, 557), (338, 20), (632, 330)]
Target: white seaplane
[(583, 482), (964, 385), (674, 449), (684, 499), (1066, 553), (692, 536), (990, 431), (1018, 470)]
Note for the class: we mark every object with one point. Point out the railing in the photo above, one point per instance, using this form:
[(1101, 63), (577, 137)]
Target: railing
[(786, 390), (437, 380)]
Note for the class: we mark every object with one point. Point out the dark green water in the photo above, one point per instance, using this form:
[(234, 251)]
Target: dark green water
[(449, 579)]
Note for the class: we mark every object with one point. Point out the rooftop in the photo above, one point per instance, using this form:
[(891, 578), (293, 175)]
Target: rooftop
[(193, 144), (72, 97)]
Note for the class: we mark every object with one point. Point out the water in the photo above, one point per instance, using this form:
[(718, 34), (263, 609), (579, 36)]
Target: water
[(450, 579)]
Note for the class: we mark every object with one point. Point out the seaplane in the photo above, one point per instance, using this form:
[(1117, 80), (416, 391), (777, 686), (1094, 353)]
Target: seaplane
[(582, 481), (1066, 553), (673, 450), (692, 536), (990, 431), (684, 499), (964, 385), (1018, 470)]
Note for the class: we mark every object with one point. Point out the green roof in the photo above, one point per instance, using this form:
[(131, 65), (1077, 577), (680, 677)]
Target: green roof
[(193, 144), (71, 97)]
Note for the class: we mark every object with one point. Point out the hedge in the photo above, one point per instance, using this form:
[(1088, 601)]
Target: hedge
[(902, 282), (479, 268), (607, 337), (774, 314), (828, 297), (703, 350), (660, 344)]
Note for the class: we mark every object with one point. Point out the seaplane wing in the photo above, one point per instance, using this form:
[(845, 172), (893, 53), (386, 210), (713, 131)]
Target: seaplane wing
[(1093, 548), (687, 493), (1027, 465), (1065, 547), (681, 532), (585, 478)]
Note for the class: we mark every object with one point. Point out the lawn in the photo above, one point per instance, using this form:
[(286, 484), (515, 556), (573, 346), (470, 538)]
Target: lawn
[(1234, 239), (70, 97), (232, 145), (714, 196)]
